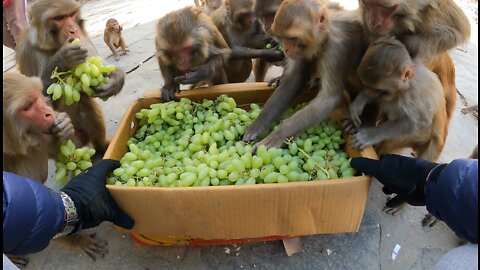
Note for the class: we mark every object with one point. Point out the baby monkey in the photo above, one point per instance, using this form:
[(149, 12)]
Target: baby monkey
[(410, 98), (114, 39)]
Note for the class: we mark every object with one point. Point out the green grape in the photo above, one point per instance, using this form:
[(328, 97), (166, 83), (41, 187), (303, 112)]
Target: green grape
[(187, 178), (76, 95), (83, 165), (57, 91), (50, 89), (85, 79), (71, 166)]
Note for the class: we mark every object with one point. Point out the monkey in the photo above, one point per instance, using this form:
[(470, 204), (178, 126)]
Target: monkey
[(319, 41), (112, 35), (409, 95), (33, 133), (427, 28), (32, 130), (209, 6), (244, 35), (46, 45), (190, 49), (265, 12)]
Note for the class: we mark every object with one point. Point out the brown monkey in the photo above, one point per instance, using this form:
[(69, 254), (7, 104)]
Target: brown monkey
[(427, 28), (190, 49), (112, 35), (325, 42), (410, 97), (32, 133), (32, 130), (209, 6), (243, 33), (46, 45)]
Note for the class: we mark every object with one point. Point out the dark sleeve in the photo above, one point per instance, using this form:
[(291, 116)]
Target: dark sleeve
[(32, 215), (453, 197)]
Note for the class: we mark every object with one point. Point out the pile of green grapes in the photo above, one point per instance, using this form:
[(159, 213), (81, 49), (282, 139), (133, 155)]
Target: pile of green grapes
[(72, 161), (182, 144), (80, 78)]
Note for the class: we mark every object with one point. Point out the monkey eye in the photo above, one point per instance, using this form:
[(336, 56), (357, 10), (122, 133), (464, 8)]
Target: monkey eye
[(72, 14), (27, 106), (59, 18)]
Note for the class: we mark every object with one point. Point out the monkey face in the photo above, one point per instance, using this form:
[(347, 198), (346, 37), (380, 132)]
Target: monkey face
[(36, 115), (379, 17), (67, 26)]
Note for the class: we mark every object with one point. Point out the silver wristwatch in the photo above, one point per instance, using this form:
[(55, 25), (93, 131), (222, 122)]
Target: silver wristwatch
[(71, 217)]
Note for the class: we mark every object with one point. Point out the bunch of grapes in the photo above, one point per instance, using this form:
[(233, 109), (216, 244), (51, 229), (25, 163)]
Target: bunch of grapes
[(80, 78), (182, 144), (72, 161)]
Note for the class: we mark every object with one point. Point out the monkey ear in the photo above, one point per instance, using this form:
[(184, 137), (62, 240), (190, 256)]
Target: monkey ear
[(322, 19), (408, 74)]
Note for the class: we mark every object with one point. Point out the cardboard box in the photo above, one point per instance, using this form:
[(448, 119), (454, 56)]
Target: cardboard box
[(213, 215)]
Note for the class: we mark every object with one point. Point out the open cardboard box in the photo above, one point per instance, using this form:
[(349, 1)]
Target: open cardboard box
[(234, 214)]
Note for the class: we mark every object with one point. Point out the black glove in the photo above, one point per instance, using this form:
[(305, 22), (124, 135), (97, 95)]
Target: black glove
[(404, 176), (92, 200)]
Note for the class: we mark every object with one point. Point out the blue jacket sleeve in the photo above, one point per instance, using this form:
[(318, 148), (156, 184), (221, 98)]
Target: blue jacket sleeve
[(453, 197), (32, 215)]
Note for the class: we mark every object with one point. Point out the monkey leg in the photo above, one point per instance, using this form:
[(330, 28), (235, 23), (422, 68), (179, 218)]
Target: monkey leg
[(92, 122), (87, 243), (260, 68), (20, 261), (123, 46), (429, 220)]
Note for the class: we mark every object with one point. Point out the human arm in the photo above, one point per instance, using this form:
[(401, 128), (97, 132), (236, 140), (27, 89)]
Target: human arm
[(33, 214), (450, 191)]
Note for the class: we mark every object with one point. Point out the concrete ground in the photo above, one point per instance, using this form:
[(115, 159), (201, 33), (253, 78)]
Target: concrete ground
[(370, 248)]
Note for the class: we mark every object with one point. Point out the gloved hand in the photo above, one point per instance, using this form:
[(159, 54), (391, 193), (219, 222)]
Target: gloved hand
[(404, 176), (92, 200)]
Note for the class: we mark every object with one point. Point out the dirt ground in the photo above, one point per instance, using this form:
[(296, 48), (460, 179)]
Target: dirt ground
[(370, 248)]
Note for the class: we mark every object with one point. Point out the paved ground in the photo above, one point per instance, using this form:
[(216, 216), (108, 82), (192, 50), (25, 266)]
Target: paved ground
[(370, 248)]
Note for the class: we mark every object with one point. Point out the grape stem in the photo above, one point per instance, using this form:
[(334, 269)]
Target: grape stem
[(289, 142)]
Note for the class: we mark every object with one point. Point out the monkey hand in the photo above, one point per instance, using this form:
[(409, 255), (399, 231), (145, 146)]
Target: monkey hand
[(275, 82), (348, 126), (401, 175), (169, 90), (92, 200), (275, 139), (69, 56), (355, 112), (255, 130), (202, 72), (363, 138), (113, 87), (62, 126)]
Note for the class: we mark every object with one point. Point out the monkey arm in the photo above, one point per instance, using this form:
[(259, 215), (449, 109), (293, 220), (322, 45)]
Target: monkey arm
[(271, 55), (357, 106), (206, 71), (399, 127), (316, 111), (295, 80), (170, 87)]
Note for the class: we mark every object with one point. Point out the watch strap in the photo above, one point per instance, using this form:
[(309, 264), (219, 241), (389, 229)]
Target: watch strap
[(71, 217)]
